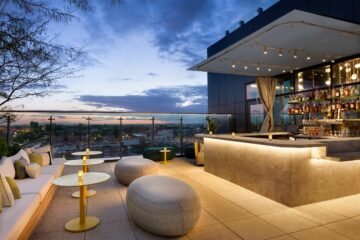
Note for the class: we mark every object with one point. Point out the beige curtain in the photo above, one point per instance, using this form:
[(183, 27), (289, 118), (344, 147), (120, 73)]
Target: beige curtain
[(267, 91)]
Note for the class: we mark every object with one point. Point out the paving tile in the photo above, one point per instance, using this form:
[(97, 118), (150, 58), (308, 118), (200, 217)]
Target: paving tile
[(58, 235), (287, 221), (348, 228), (259, 205), (317, 214), (206, 219), (120, 230), (142, 234), (347, 206), (318, 233), (285, 237), (212, 232), (253, 228)]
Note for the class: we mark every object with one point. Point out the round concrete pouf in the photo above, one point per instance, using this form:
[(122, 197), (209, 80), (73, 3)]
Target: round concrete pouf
[(163, 205), (128, 169)]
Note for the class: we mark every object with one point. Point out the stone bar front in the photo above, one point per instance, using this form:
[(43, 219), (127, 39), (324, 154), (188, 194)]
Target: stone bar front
[(290, 172)]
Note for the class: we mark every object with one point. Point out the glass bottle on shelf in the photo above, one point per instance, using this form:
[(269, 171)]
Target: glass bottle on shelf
[(352, 105), (333, 93), (341, 91), (346, 92), (358, 104)]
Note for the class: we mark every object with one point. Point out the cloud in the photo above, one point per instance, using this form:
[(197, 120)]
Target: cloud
[(166, 99), (181, 30), (151, 74)]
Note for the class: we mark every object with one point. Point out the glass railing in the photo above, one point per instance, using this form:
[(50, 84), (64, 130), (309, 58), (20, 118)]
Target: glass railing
[(115, 134), (251, 14)]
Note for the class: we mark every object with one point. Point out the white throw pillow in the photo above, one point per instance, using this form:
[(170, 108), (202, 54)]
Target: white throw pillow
[(33, 170), (20, 154), (7, 167), (44, 149), (45, 159), (7, 196), (28, 150)]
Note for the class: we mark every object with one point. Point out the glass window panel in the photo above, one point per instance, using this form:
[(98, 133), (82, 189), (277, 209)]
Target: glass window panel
[(252, 91), (313, 78), (346, 72)]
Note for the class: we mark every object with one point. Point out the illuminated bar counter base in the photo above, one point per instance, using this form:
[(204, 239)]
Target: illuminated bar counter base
[(290, 172)]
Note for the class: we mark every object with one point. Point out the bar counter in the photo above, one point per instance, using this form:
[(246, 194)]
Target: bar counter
[(291, 172)]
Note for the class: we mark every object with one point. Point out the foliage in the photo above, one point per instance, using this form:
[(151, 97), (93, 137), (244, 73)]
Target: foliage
[(30, 60), (213, 124), (3, 147), (13, 149)]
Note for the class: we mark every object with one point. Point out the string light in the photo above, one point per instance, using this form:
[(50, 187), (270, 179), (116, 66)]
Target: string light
[(233, 66), (295, 56), (245, 67), (308, 58), (269, 69), (280, 53), (324, 60), (265, 51), (257, 68)]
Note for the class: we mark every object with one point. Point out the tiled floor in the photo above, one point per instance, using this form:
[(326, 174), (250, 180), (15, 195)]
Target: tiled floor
[(228, 212)]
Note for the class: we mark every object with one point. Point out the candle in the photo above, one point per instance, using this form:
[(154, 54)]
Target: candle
[(80, 175), (84, 158), (233, 134), (270, 136), (210, 132), (87, 150)]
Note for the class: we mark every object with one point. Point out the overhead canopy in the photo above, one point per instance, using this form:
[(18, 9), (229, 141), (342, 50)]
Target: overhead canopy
[(296, 40)]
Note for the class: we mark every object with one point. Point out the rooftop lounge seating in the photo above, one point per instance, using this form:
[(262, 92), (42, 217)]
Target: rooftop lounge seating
[(19, 220), (128, 169), (154, 153), (163, 205)]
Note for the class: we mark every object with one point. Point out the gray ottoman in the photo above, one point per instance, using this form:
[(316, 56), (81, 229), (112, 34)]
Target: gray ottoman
[(128, 169), (163, 205)]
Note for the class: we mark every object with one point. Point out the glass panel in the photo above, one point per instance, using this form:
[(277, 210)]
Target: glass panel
[(347, 72), (284, 85), (313, 78), (252, 91), (256, 116)]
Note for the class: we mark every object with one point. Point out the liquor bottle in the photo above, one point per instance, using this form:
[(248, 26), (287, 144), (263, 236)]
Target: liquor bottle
[(358, 104), (346, 92), (317, 94), (341, 91), (352, 105), (337, 93), (333, 93)]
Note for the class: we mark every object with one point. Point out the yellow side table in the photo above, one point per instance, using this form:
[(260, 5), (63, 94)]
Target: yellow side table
[(165, 151), (85, 167), (84, 222)]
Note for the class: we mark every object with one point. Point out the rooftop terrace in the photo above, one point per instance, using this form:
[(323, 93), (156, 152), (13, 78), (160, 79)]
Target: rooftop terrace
[(228, 212)]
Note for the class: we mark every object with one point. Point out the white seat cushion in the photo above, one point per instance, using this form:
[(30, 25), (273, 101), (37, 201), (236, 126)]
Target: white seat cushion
[(39, 185), (14, 219), (54, 170), (58, 161), (7, 167)]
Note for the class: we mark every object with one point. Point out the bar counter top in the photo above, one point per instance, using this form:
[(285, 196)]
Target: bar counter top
[(280, 139)]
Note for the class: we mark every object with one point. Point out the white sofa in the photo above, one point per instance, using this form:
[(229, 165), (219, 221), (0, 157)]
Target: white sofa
[(18, 221)]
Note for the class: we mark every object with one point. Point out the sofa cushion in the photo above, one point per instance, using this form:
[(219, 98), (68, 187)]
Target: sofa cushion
[(58, 161), (36, 158), (14, 187), (33, 170), (20, 172), (40, 185), (6, 194), (20, 154), (45, 159), (7, 167), (44, 149), (14, 219), (54, 170)]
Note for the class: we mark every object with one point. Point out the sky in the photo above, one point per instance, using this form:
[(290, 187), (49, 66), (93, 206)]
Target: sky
[(138, 55)]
